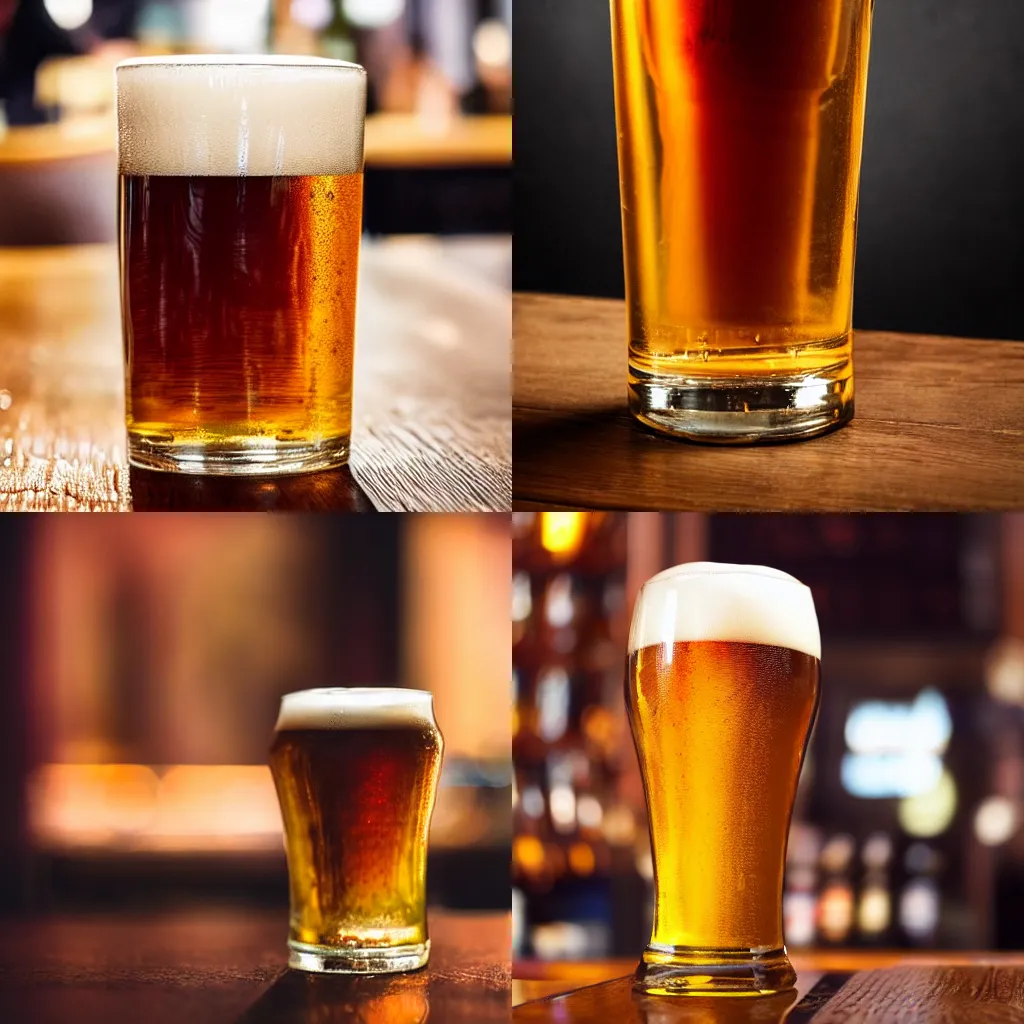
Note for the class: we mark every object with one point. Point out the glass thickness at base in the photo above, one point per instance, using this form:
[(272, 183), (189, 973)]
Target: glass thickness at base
[(709, 972), (743, 410), (358, 960), (242, 456)]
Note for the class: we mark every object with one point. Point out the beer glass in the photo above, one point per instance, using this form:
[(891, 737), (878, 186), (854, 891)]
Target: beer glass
[(740, 125), (241, 194), (356, 772), (721, 690)]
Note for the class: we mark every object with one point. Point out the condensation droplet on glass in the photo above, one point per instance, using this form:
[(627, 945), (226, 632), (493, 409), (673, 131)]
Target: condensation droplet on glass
[(6, 399)]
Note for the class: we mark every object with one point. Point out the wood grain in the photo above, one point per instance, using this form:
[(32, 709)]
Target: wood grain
[(218, 967), (937, 995), (939, 425), (431, 401), (913, 994)]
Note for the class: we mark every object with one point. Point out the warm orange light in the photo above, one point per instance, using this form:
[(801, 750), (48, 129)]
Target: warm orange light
[(133, 806), (98, 802), (220, 805), (561, 533), (528, 854), (600, 726), (835, 911), (581, 859)]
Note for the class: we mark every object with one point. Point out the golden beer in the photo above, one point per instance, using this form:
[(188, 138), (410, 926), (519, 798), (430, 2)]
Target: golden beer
[(722, 688), (740, 125), (241, 192), (356, 772)]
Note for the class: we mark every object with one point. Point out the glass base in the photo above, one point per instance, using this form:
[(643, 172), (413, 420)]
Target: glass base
[(677, 971), (358, 960), (261, 456), (743, 410)]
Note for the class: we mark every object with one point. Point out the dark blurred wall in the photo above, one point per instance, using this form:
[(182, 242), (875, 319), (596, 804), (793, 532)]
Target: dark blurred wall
[(941, 241), (15, 537), (357, 603)]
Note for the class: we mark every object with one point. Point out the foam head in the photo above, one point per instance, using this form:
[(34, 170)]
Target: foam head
[(227, 116), (355, 707), (715, 601)]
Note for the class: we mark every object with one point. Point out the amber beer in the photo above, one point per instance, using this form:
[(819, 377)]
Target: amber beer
[(241, 212), (356, 772), (721, 689), (740, 126)]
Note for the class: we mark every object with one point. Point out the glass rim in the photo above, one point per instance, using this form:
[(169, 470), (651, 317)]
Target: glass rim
[(388, 694), (250, 60), (708, 568)]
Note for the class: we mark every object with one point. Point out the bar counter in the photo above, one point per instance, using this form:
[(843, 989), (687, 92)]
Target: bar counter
[(219, 967), (939, 424), (392, 140), (833, 987)]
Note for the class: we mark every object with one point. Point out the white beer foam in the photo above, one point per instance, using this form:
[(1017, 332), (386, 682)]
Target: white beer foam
[(227, 116), (716, 601), (355, 707)]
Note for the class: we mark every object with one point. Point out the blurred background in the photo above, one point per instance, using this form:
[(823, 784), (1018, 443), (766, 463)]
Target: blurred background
[(939, 248), (908, 824), (144, 663), (438, 143)]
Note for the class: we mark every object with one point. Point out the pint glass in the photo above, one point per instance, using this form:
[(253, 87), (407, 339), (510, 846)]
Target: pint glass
[(721, 689), (740, 125), (240, 216), (356, 773)]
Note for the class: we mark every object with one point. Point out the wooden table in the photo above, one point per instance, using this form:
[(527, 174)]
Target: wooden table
[(220, 967), (832, 988), (431, 399), (939, 425)]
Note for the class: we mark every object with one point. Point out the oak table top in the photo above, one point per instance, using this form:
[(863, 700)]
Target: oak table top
[(939, 424), (431, 404), (222, 967), (835, 987)]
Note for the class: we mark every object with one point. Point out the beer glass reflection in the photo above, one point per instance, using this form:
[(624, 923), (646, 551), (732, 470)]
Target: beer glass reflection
[(740, 128), (721, 690), (241, 210), (356, 772)]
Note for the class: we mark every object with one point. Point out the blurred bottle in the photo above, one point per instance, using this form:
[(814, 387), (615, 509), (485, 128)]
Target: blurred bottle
[(338, 39), (416, 85)]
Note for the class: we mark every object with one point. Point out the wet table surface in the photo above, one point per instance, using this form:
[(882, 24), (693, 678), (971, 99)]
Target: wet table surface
[(832, 988), (939, 424), (431, 400), (225, 967)]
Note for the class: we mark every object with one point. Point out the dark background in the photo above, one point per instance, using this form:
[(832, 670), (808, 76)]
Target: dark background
[(940, 246)]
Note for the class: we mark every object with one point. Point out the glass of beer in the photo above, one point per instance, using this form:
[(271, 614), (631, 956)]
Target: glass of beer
[(721, 689), (740, 127), (241, 193), (356, 772)]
